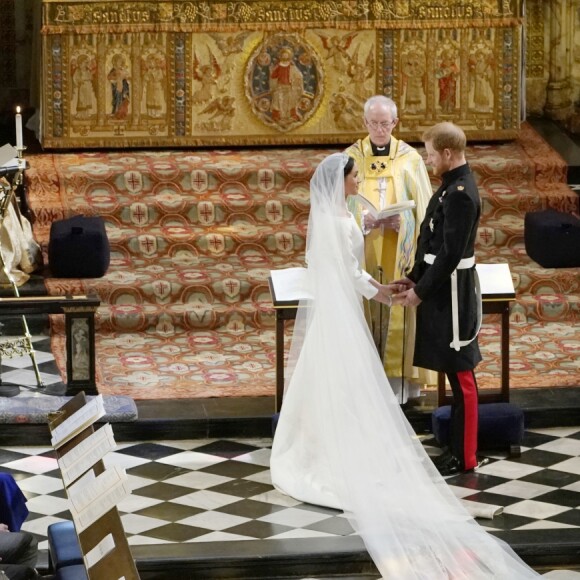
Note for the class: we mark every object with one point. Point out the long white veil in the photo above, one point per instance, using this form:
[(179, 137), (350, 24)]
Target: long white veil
[(342, 439)]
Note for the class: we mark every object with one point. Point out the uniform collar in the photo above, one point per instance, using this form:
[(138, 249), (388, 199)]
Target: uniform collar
[(451, 176)]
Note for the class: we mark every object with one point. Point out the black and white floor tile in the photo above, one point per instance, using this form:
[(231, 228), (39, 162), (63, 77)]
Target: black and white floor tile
[(220, 490)]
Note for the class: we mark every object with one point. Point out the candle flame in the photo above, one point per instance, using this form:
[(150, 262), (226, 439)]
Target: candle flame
[(18, 110)]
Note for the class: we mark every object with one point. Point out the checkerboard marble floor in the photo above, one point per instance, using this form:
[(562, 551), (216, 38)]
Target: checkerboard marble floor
[(19, 370), (220, 490)]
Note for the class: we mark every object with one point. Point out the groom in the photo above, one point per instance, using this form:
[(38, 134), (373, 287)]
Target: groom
[(442, 285)]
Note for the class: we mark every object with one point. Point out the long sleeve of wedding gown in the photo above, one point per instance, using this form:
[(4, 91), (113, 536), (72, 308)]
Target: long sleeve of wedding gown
[(362, 279)]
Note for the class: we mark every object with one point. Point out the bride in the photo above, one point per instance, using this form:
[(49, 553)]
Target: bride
[(342, 440)]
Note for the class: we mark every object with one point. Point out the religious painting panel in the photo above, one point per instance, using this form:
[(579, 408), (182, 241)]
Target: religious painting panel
[(258, 73)]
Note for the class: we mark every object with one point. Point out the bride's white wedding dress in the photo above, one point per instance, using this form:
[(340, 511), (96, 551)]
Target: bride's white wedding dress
[(342, 440)]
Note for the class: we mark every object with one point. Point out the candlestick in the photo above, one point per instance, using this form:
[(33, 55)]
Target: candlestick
[(19, 139)]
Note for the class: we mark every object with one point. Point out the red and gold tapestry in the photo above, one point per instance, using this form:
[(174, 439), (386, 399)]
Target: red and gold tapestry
[(180, 73)]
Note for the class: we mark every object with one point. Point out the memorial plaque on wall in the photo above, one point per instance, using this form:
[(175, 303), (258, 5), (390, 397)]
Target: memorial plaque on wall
[(216, 73)]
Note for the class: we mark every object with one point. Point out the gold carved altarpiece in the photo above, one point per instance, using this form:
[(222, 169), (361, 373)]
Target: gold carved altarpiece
[(214, 73)]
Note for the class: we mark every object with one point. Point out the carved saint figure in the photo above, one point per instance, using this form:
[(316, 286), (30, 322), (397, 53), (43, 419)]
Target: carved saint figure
[(481, 80), (83, 79), (153, 81), (413, 67), (119, 78), (447, 75), (80, 355)]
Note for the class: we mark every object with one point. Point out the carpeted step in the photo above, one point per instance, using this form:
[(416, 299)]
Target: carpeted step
[(287, 240), (499, 198), (528, 276), (184, 364), (541, 354), (185, 291)]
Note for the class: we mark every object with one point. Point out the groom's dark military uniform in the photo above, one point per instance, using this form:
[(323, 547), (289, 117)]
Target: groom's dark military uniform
[(446, 245)]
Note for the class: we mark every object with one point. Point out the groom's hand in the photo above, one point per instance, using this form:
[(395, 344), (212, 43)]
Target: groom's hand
[(407, 298)]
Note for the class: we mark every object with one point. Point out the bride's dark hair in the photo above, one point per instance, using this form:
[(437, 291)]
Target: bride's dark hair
[(349, 165)]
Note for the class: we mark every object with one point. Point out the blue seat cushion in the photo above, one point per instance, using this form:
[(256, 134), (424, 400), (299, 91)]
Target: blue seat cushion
[(72, 573), (500, 425), (63, 545)]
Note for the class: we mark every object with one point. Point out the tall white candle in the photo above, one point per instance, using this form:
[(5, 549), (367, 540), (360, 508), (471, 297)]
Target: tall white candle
[(19, 139)]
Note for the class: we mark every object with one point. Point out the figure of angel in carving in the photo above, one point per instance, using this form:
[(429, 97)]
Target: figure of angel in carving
[(83, 78), (413, 68), (286, 87), (220, 112), (481, 66), (208, 75), (447, 75), (230, 46), (360, 72), (346, 112), (120, 90), (154, 86), (337, 50)]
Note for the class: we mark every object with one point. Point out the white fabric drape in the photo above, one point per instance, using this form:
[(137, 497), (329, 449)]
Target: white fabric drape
[(342, 440)]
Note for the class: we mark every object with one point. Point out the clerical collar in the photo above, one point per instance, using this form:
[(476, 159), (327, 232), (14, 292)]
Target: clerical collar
[(378, 151)]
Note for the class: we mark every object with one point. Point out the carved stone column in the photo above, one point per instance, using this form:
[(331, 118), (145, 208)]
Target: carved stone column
[(574, 124), (558, 101)]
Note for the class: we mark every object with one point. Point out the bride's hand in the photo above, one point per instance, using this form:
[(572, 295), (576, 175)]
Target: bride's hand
[(384, 294)]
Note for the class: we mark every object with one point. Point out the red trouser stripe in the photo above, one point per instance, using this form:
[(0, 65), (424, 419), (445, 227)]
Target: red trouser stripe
[(468, 387)]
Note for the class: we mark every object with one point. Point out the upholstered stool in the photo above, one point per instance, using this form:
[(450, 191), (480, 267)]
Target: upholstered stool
[(63, 546), (79, 248), (77, 572), (501, 425), (552, 238)]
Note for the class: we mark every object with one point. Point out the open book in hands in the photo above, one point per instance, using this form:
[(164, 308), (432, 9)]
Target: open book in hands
[(388, 211)]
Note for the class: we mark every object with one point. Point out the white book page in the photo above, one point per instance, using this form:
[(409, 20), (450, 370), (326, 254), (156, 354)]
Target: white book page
[(97, 498), (388, 211), (106, 545), (81, 419), (290, 284), (495, 279), (82, 457)]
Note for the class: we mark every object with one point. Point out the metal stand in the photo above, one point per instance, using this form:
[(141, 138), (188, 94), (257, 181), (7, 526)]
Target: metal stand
[(21, 345)]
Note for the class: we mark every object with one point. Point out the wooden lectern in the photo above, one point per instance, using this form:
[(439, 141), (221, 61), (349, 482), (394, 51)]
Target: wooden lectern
[(497, 289), (103, 543)]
